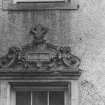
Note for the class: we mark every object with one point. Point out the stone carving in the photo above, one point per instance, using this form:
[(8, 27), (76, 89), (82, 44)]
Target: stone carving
[(39, 54)]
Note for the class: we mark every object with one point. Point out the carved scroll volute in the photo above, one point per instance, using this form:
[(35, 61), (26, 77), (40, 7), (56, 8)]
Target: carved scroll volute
[(10, 58), (64, 56), (40, 54)]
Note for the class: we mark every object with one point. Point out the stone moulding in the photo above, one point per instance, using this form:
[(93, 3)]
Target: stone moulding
[(68, 5), (39, 56)]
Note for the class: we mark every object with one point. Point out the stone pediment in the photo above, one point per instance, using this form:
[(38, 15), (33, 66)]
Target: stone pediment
[(40, 55)]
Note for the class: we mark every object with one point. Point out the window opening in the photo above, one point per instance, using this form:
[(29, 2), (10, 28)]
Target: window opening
[(40, 98)]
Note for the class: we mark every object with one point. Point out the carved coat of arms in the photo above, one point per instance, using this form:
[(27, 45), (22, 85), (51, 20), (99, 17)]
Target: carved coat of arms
[(40, 54)]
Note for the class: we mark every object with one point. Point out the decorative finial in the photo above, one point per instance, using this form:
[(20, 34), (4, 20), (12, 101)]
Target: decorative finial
[(38, 33)]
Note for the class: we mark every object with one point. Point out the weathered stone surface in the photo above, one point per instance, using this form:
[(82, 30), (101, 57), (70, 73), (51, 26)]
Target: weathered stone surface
[(89, 94), (83, 30)]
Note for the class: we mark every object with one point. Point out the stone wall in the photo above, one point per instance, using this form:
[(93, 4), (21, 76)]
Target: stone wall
[(83, 30)]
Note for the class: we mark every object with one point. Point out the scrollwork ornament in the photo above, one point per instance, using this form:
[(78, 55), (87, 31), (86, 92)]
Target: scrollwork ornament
[(10, 58), (39, 54), (65, 57)]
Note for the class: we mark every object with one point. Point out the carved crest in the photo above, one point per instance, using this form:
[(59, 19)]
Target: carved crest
[(40, 54)]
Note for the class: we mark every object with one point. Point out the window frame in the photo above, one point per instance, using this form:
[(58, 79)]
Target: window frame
[(66, 91), (39, 1), (66, 5)]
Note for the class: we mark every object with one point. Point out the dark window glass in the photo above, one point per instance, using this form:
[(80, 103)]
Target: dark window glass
[(23, 98), (56, 98), (39, 98)]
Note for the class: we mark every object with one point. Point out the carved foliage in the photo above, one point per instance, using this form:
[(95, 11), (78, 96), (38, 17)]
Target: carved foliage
[(39, 54)]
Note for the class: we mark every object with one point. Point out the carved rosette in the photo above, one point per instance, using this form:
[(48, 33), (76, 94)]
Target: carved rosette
[(40, 54)]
